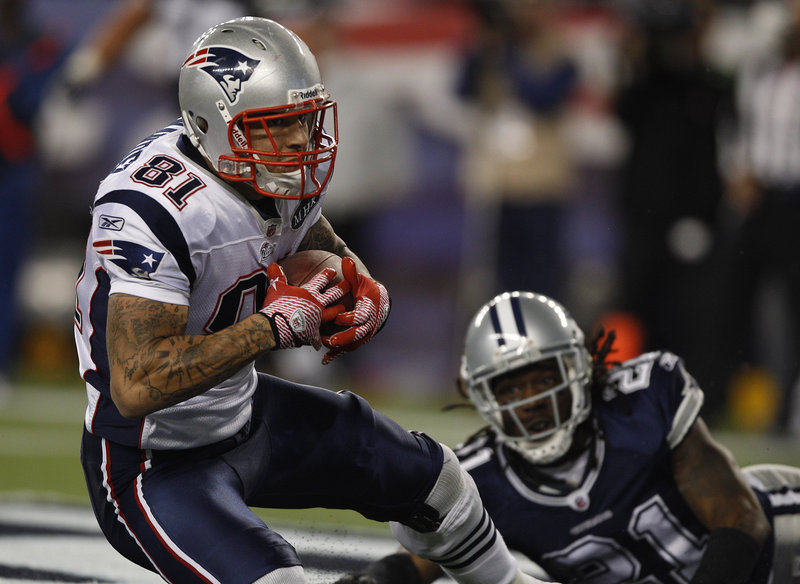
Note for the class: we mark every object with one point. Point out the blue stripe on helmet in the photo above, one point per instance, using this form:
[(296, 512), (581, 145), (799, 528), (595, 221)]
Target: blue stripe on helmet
[(516, 309), (496, 324)]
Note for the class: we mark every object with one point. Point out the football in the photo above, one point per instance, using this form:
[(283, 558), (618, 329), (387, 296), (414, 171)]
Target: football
[(300, 267)]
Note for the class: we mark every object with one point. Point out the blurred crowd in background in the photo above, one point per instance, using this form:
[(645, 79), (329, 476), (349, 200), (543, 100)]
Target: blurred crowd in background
[(639, 160)]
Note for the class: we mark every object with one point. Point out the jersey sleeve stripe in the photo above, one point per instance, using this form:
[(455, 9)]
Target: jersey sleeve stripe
[(164, 226), (687, 412)]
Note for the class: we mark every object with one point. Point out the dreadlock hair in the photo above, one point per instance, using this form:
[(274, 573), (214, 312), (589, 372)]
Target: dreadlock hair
[(601, 365), (600, 346)]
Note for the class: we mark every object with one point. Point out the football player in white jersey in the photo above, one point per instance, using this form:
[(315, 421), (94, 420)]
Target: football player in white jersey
[(180, 292), (614, 460)]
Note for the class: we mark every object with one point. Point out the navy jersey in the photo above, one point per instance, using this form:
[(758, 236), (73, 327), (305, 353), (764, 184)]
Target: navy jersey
[(166, 228), (625, 521)]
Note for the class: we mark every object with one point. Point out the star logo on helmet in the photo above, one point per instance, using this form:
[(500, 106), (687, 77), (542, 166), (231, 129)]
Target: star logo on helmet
[(230, 68)]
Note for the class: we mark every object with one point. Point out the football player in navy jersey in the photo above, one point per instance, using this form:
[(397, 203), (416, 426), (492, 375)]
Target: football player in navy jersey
[(180, 292), (614, 459)]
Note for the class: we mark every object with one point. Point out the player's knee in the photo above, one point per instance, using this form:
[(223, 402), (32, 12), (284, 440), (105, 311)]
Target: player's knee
[(452, 506), (454, 530), (443, 496), (292, 575)]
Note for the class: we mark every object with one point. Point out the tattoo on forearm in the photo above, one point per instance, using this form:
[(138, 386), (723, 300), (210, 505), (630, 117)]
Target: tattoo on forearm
[(322, 236), (148, 346)]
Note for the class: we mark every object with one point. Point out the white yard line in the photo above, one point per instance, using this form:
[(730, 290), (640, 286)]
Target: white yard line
[(79, 552)]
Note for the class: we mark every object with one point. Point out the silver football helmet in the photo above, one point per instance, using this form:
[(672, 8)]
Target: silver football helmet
[(245, 81), (508, 334)]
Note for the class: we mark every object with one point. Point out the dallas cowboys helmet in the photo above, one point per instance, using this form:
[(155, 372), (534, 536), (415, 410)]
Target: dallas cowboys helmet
[(252, 75), (509, 333)]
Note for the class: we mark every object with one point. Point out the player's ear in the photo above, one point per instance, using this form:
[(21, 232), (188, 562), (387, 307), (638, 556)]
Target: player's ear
[(461, 387)]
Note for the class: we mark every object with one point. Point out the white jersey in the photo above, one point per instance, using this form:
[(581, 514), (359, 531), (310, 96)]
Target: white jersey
[(164, 227), (768, 92)]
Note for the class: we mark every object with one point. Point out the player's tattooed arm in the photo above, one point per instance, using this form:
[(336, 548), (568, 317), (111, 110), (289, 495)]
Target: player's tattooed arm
[(710, 481), (322, 236), (154, 365)]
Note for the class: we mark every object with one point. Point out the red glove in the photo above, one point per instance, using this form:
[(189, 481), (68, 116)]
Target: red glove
[(296, 312), (371, 305)]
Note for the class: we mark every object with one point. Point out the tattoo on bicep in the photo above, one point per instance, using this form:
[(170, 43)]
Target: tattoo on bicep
[(322, 236), (135, 326)]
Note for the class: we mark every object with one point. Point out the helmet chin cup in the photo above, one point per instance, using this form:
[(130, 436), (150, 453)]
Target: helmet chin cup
[(549, 451), (280, 184)]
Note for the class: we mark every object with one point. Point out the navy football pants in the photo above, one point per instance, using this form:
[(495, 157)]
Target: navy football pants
[(185, 515)]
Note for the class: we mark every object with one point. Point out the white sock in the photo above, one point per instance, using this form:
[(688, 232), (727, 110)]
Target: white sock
[(293, 575), (466, 545)]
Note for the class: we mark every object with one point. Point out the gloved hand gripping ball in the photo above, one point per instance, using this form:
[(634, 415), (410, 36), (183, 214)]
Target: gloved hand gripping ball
[(296, 312), (370, 311)]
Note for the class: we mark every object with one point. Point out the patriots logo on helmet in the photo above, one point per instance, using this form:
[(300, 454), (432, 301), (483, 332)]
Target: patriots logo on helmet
[(136, 259), (228, 67)]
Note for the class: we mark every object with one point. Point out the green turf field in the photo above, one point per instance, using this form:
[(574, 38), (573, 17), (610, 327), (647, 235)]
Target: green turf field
[(40, 439), (40, 429)]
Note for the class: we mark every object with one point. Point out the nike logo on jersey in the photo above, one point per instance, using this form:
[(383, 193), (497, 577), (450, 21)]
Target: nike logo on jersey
[(135, 259)]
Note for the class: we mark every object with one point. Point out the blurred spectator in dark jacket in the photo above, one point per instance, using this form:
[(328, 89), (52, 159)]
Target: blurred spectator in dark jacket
[(671, 104)]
